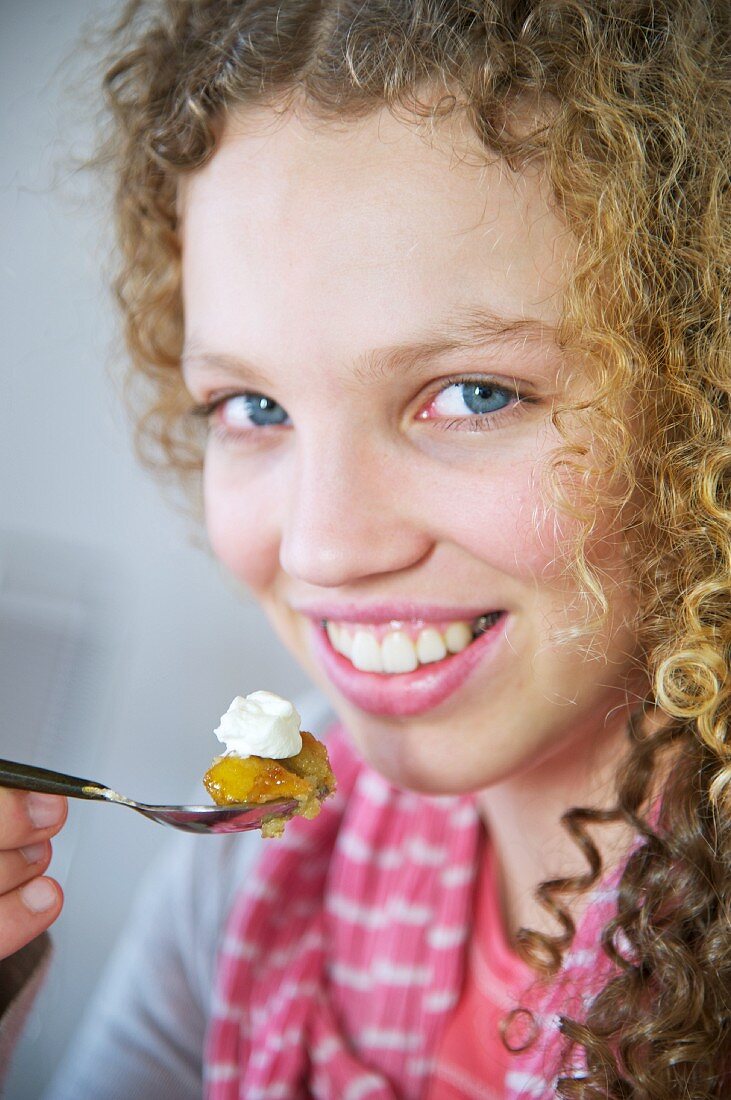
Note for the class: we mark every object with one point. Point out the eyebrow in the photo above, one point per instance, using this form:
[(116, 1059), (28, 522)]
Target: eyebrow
[(469, 328)]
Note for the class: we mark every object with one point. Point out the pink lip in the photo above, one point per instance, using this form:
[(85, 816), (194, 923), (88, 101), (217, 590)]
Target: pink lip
[(388, 612), (406, 693)]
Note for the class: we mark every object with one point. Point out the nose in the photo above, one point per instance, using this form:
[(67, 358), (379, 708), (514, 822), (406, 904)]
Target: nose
[(349, 516)]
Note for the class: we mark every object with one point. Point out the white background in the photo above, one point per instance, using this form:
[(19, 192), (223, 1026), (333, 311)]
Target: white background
[(169, 641)]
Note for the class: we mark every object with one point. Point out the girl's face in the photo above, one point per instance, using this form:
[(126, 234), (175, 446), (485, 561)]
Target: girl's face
[(369, 319)]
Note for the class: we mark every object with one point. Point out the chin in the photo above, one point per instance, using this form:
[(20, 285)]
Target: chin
[(413, 753), (401, 752)]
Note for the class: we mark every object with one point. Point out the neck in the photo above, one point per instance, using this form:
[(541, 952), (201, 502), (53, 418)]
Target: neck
[(523, 816)]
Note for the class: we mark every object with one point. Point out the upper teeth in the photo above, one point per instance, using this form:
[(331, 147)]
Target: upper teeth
[(395, 651)]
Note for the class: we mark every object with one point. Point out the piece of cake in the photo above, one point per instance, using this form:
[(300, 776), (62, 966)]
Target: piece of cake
[(268, 759)]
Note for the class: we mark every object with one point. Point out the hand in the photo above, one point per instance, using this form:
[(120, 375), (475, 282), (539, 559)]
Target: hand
[(29, 901)]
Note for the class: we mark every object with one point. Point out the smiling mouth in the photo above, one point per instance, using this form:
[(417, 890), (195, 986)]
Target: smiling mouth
[(400, 647)]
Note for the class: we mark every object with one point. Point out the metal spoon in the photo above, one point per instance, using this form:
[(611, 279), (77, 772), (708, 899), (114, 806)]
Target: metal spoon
[(192, 819)]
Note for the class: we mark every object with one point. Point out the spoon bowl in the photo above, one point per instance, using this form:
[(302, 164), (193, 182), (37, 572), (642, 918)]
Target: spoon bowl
[(191, 819)]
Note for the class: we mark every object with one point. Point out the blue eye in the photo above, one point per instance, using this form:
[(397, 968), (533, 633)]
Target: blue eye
[(240, 412), (470, 398), (259, 409), (481, 397)]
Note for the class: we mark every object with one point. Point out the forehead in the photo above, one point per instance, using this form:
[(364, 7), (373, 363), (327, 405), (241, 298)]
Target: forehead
[(361, 229)]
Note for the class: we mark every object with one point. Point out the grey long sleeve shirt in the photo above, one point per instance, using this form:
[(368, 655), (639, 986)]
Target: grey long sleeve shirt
[(143, 1033)]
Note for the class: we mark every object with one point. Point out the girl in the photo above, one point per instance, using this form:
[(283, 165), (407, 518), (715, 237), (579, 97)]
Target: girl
[(446, 287)]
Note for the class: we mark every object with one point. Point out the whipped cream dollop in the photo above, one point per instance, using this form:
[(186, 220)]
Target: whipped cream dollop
[(261, 724)]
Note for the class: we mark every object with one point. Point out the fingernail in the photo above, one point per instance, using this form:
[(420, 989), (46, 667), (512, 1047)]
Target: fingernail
[(45, 809), (33, 853), (38, 895)]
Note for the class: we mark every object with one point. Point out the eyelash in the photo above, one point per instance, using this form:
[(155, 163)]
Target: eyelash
[(475, 423), (207, 410), (478, 422)]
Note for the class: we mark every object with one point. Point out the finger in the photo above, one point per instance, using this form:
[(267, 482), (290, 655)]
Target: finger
[(28, 911), (29, 817), (23, 864)]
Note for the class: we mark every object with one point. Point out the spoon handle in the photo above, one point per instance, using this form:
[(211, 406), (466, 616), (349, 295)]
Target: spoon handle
[(26, 777)]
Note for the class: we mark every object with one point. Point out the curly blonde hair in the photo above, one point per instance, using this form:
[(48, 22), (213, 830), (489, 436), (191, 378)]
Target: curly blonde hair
[(633, 126)]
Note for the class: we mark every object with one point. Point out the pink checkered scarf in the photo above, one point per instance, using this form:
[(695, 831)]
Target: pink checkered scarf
[(345, 953)]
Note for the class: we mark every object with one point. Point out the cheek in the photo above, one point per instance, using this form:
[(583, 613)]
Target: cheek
[(242, 525), (500, 518)]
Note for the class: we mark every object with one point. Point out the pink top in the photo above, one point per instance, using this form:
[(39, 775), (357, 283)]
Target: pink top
[(472, 1061)]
